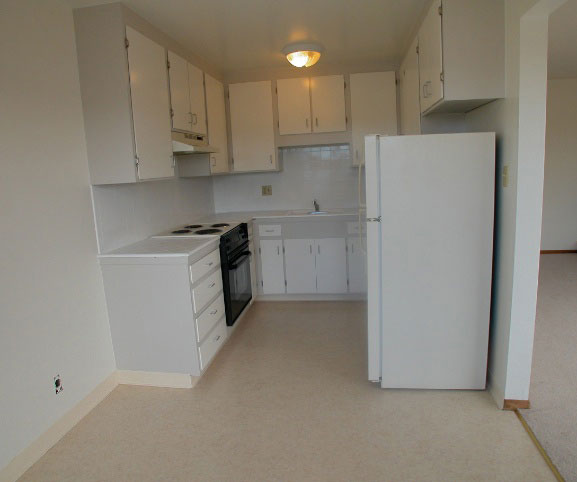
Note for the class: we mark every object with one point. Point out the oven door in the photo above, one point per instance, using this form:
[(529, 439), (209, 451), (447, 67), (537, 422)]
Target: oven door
[(239, 283)]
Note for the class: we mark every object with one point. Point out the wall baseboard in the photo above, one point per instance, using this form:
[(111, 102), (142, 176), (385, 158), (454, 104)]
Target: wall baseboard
[(558, 251), (516, 404), (156, 379), (31, 454)]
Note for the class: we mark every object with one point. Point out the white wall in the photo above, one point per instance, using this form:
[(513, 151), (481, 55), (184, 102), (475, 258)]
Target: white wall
[(516, 257), (559, 230), (52, 308), (322, 173), (126, 213)]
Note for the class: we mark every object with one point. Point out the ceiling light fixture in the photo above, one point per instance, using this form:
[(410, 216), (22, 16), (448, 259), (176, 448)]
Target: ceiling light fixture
[(303, 54)]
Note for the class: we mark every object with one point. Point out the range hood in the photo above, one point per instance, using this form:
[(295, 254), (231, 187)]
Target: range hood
[(183, 143)]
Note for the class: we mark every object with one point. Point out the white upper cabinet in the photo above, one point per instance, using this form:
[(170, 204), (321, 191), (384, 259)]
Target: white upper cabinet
[(179, 92), (186, 95), (461, 55), (197, 102), (410, 109), (216, 125), (125, 98), (373, 108), (294, 106), (150, 106), (252, 129), (431, 57), (328, 103)]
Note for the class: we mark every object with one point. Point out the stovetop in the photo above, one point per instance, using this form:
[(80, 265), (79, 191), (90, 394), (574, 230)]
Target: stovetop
[(197, 229)]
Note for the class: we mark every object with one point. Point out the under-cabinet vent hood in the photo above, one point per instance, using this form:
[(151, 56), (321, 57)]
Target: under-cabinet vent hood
[(190, 144)]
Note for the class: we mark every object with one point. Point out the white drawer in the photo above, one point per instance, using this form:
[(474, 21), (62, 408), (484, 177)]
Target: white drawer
[(265, 230), (210, 346), (200, 268), (209, 317), (353, 227), (206, 290)]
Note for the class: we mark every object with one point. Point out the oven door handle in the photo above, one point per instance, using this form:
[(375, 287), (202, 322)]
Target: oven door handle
[(244, 256)]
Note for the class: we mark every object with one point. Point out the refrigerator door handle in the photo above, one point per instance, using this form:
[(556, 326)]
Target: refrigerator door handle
[(374, 220)]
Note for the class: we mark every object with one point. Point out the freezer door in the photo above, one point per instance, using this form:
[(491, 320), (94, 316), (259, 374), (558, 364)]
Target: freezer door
[(372, 181)]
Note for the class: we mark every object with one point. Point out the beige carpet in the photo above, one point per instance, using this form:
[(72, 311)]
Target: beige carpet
[(287, 400), (554, 377)]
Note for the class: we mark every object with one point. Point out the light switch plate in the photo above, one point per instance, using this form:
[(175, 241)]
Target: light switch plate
[(267, 190)]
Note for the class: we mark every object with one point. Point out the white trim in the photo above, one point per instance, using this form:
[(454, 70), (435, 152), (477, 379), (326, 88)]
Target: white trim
[(315, 297), (31, 454), (156, 379)]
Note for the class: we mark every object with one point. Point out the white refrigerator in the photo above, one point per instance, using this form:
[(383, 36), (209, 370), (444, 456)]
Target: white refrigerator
[(429, 209)]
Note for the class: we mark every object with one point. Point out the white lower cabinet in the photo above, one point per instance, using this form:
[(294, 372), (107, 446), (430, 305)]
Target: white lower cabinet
[(357, 265), (167, 316), (331, 264), (272, 266), (300, 266), (316, 266)]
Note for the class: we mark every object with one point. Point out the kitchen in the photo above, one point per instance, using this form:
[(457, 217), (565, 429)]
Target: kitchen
[(269, 164)]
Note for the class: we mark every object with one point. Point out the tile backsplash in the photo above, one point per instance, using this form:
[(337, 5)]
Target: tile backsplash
[(323, 173), (126, 213)]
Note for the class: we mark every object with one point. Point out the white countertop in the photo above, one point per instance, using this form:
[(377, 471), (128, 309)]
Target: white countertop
[(250, 215), (164, 247)]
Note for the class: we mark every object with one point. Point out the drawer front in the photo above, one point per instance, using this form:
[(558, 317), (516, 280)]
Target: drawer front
[(206, 290), (209, 317), (211, 345), (200, 268), (265, 230)]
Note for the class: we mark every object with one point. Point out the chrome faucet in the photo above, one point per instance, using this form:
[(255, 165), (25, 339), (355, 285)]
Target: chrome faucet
[(317, 207)]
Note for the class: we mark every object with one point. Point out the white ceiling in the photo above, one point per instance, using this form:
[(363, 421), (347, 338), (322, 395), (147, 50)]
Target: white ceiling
[(563, 41), (238, 35)]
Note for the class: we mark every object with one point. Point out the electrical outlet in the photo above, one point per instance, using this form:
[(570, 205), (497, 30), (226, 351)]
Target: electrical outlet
[(267, 190), (58, 384)]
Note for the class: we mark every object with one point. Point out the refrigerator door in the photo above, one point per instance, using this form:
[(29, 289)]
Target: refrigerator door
[(373, 208), (437, 199)]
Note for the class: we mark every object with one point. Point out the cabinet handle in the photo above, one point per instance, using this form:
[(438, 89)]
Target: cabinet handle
[(278, 250), (311, 248), (217, 338), (214, 312), (352, 248), (357, 154), (319, 248), (270, 157), (307, 121), (213, 159), (190, 121), (317, 121), (194, 119), (210, 264), (212, 285)]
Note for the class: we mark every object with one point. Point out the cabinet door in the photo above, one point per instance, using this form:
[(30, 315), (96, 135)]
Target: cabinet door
[(373, 108), (409, 92), (179, 92), (150, 106), (431, 57), (357, 265), (328, 103), (252, 130), (300, 266), (272, 266), (294, 106), (197, 103), (216, 124), (331, 264)]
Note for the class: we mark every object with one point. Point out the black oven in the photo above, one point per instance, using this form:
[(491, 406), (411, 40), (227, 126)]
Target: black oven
[(235, 263)]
